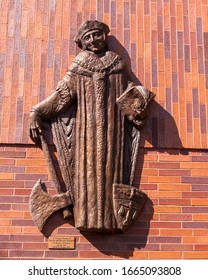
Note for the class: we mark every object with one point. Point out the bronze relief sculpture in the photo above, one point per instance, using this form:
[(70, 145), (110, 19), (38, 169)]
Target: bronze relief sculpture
[(95, 114)]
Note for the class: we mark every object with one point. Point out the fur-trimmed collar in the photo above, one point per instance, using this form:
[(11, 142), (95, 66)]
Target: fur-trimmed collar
[(87, 63)]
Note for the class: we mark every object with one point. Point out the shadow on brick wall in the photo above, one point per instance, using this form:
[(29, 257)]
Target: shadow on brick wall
[(122, 245), (161, 129), (115, 46), (162, 134)]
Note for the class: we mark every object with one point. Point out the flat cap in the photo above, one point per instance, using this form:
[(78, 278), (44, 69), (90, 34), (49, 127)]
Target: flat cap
[(88, 26)]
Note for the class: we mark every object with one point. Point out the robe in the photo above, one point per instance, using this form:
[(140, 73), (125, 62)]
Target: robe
[(96, 144)]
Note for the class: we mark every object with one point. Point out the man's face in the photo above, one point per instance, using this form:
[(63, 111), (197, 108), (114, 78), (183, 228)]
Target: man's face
[(94, 41)]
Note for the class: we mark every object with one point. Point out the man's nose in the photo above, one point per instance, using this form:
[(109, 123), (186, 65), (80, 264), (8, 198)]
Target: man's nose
[(92, 38)]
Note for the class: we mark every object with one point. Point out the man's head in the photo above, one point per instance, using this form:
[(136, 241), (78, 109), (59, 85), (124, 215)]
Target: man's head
[(91, 35)]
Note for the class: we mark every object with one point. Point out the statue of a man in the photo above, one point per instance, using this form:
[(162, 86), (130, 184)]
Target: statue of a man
[(95, 114)]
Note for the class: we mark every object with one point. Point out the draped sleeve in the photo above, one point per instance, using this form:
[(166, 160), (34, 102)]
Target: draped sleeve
[(60, 98)]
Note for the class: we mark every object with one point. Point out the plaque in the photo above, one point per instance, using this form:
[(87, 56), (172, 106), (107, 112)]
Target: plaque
[(61, 242)]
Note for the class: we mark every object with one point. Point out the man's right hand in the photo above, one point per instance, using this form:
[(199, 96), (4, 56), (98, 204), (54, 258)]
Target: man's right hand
[(35, 128)]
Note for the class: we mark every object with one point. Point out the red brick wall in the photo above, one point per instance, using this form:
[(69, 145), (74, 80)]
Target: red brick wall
[(167, 43)]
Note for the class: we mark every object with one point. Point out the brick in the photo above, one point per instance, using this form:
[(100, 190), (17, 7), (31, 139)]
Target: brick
[(6, 176), (30, 230), (193, 45), (7, 161), (9, 245), (94, 254), (5, 206), (176, 247), (187, 58), (199, 172), (11, 214), (165, 255), (164, 239), (68, 231), (180, 45), (173, 187), (189, 118), (165, 224), (194, 180), (175, 217), (11, 199), (137, 255), (200, 158), (195, 194), (4, 238), (31, 177), (147, 186), (31, 162), (34, 153), (160, 29), (30, 184), (172, 179), (199, 188), (3, 254), (7, 154), (26, 238), (206, 45), (83, 246), (195, 255), (5, 222), (200, 217), (200, 232), (172, 201), (10, 230), (165, 194), (11, 169), (19, 207), (17, 222), (35, 246), (174, 172), (176, 232), (203, 114), (41, 170), (22, 192), (61, 254), (193, 165), (195, 209), (168, 100), (200, 60), (6, 191), (199, 202), (25, 254), (167, 209), (165, 165), (201, 247), (195, 224)]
